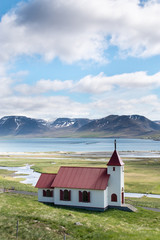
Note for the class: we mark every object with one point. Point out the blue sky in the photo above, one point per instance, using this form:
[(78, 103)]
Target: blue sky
[(88, 58)]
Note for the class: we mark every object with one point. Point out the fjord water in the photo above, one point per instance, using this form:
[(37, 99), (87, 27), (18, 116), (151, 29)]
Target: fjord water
[(76, 144)]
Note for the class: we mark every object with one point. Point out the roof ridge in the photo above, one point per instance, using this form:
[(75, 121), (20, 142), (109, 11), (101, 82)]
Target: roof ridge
[(82, 167)]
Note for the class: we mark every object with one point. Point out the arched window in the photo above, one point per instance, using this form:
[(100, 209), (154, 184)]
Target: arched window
[(48, 193), (65, 195), (84, 196), (113, 197)]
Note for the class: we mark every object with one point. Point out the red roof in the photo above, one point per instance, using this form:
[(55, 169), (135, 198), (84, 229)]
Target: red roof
[(115, 160), (81, 178), (45, 180)]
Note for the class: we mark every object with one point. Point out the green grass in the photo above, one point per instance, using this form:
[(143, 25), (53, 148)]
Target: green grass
[(144, 202), (141, 175), (16, 185), (40, 221)]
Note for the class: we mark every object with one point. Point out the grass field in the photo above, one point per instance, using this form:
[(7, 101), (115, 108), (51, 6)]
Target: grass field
[(141, 175), (40, 221)]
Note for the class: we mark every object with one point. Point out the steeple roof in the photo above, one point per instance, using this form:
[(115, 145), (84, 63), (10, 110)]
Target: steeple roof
[(115, 160)]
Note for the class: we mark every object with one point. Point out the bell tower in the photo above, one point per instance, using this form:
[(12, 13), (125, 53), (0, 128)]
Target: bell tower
[(116, 180)]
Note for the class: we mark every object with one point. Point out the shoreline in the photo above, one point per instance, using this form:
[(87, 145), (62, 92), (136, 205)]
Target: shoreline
[(128, 154)]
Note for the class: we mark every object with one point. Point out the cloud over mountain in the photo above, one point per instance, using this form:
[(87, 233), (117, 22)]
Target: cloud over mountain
[(71, 35)]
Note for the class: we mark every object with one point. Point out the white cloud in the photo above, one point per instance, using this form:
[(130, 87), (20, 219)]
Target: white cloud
[(56, 85), (98, 84), (80, 30), (49, 107), (5, 86), (42, 107), (148, 105), (43, 86), (119, 94), (101, 83), (5, 82)]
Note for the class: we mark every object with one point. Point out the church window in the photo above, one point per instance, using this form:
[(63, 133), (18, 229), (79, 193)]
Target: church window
[(113, 197), (84, 196), (114, 169), (48, 193), (65, 195)]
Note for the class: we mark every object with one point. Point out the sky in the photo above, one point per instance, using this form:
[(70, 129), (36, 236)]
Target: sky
[(79, 59)]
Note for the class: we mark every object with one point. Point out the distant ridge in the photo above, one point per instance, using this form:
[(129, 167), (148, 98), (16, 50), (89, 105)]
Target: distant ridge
[(123, 126), (21, 125), (128, 126)]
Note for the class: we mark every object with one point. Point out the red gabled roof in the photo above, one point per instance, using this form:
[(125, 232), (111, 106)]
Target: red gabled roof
[(45, 180), (81, 178), (115, 160)]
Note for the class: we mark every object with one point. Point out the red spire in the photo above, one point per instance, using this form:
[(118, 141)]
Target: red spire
[(115, 160)]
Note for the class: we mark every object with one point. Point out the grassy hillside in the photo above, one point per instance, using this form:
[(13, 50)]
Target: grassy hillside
[(40, 221)]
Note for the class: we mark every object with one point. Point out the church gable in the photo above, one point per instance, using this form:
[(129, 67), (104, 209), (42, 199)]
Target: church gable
[(45, 180)]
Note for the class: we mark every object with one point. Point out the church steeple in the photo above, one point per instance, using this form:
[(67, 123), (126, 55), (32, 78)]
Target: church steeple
[(115, 145), (116, 180), (115, 159)]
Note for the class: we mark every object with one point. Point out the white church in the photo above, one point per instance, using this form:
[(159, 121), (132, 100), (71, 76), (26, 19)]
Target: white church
[(85, 187)]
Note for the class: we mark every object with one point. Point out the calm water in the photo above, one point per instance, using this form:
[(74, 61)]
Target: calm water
[(76, 144), (31, 177)]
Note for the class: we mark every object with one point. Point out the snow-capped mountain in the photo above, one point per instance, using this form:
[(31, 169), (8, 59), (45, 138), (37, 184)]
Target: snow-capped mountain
[(20, 125), (125, 125), (110, 126), (69, 123)]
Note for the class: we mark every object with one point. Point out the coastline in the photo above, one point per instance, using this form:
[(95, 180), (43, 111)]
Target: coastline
[(128, 154)]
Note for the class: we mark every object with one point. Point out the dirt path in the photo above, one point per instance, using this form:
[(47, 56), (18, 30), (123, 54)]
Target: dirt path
[(151, 209), (18, 192)]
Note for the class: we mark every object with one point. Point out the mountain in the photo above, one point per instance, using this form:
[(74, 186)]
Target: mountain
[(73, 123), (129, 126), (17, 125), (122, 126), (158, 122)]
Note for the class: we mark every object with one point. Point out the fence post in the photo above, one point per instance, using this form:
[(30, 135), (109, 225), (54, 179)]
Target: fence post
[(17, 230), (64, 236)]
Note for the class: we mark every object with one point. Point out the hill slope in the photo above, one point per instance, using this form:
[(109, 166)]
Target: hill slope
[(17, 125), (126, 125)]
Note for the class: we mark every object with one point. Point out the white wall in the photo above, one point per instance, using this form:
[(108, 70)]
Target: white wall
[(44, 199), (115, 184), (98, 198)]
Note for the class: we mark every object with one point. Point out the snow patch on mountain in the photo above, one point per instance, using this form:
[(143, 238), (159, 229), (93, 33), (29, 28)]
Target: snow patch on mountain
[(64, 124), (18, 122)]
